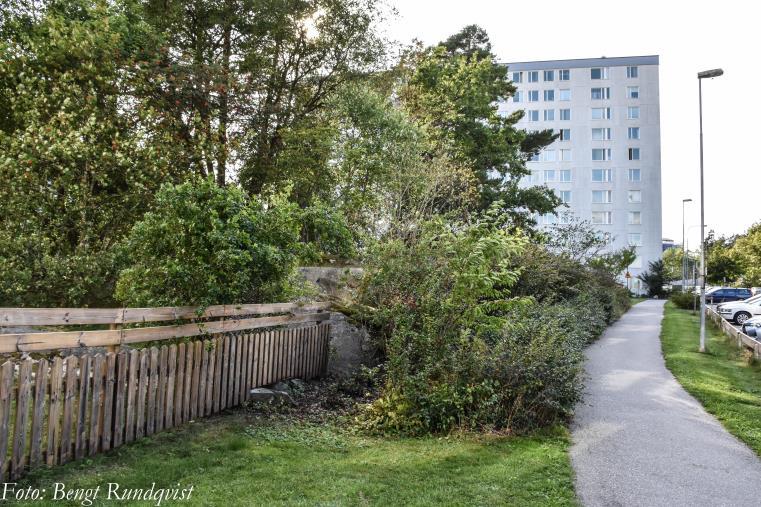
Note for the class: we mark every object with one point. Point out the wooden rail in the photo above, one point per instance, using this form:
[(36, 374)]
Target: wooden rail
[(743, 340), (57, 409)]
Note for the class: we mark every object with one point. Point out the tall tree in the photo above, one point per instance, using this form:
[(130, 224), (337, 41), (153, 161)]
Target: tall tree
[(237, 73), (453, 90), (76, 170)]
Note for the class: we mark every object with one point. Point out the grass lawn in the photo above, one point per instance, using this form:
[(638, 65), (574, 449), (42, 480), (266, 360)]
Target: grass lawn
[(722, 380), (242, 459)]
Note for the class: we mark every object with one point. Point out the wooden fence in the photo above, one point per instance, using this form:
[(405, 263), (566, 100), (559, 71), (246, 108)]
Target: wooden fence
[(54, 409), (743, 340)]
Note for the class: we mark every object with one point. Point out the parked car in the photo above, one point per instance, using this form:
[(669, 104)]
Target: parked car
[(740, 311), (727, 294), (755, 290), (752, 327)]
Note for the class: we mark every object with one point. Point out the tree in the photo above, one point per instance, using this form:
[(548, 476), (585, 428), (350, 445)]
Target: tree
[(452, 90), (76, 170), (747, 252), (655, 278), (234, 75), (722, 266)]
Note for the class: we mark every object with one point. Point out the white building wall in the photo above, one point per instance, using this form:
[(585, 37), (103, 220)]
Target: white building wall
[(581, 144)]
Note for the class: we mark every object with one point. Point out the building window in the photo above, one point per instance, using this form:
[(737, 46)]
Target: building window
[(632, 92), (632, 113), (599, 73), (549, 75), (549, 156), (565, 94), (564, 75), (602, 217), (517, 77), (601, 113), (534, 157), (599, 154), (633, 133), (565, 196), (632, 72), (602, 196), (548, 219), (633, 153), (533, 114), (565, 155), (565, 175), (533, 96), (600, 93), (518, 97), (635, 218), (601, 134), (635, 196), (549, 115), (635, 175), (549, 175), (635, 239), (602, 175), (565, 114), (533, 76), (565, 135), (549, 95)]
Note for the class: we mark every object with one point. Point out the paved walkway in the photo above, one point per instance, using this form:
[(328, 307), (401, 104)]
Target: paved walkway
[(640, 439)]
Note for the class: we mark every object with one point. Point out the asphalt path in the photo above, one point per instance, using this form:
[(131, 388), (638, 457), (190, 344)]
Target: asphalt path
[(640, 440)]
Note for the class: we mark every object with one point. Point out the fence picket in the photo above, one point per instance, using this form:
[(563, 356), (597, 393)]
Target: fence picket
[(153, 382), (179, 379), (38, 415), (161, 388), (142, 394), (6, 402), (187, 382), (122, 365), (54, 412), (109, 405), (96, 408), (170, 388), (134, 366), (81, 414), (72, 363)]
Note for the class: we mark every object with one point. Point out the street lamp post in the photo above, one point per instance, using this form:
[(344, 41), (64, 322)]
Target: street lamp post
[(703, 75), (684, 249)]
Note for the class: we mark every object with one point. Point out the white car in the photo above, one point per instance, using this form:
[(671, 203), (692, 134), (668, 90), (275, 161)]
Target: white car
[(740, 311)]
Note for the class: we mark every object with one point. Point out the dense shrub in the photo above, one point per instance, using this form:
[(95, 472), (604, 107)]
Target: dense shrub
[(203, 244), (683, 300), (461, 350)]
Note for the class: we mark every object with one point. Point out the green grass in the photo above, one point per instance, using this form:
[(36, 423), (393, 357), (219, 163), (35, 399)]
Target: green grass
[(721, 379), (636, 300), (237, 459)]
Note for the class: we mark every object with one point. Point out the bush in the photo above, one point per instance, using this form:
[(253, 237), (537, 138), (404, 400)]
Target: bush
[(203, 244), (461, 350), (684, 300)]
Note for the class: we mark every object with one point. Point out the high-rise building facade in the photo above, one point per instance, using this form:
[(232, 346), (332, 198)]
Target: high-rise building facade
[(606, 163)]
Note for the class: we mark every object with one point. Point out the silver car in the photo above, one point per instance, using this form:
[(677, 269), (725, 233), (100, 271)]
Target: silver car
[(752, 327)]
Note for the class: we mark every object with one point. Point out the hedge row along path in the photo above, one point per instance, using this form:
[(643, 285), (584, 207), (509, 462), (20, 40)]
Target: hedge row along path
[(640, 439)]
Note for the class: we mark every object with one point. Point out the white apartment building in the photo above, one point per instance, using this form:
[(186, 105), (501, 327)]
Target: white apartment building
[(606, 164)]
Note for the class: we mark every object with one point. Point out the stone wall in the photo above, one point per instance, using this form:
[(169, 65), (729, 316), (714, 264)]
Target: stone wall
[(349, 343)]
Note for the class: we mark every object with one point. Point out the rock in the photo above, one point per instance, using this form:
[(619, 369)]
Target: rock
[(262, 394), (297, 384), (282, 387)]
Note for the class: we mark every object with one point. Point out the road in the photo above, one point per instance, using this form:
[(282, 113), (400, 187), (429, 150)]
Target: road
[(640, 440)]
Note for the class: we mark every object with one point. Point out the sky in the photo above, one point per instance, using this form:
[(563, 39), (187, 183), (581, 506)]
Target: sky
[(689, 37)]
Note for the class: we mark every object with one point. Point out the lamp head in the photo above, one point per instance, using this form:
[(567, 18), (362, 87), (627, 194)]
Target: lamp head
[(710, 73), (686, 200)]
